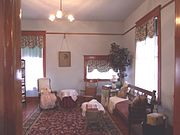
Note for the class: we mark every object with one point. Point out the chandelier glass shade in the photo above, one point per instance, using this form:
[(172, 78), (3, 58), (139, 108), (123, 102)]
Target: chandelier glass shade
[(60, 14)]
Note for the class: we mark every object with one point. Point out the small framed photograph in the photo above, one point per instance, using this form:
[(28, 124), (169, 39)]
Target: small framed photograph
[(64, 59)]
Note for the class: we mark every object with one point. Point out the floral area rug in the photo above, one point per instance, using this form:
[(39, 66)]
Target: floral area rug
[(61, 121)]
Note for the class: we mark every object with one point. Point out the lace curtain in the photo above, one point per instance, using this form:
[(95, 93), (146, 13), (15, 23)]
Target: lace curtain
[(146, 29), (32, 41), (100, 65), (31, 45)]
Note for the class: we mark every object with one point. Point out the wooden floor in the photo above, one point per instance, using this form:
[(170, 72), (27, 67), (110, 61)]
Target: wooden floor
[(32, 103), (29, 106), (121, 125)]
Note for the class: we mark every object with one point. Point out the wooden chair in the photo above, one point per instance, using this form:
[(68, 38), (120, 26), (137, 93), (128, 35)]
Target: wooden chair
[(137, 115), (90, 90)]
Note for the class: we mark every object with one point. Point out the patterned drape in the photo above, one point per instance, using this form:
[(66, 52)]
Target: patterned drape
[(100, 65), (32, 41), (146, 29)]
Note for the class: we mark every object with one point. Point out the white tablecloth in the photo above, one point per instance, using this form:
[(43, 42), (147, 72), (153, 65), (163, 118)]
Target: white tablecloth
[(93, 102), (68, 93)]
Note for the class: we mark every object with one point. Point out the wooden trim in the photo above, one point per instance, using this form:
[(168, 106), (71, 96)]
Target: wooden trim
[(150, 93), (89, 57), (10, 90), (33, 33), (84, 33), (159, 56), (156, 12), (129, 30), (43, 33), (85, 63), (167, 4), (112, 34), (2, 75), (176, 121), (151, 14), (44, 56)]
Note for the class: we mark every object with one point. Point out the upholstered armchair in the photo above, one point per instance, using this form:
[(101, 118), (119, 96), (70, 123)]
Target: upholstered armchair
[(47, 97)]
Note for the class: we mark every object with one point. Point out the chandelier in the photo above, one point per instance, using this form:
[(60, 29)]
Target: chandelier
[(60, 14)]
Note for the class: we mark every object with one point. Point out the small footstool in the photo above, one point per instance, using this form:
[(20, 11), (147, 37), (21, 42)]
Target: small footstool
[(93, 104)]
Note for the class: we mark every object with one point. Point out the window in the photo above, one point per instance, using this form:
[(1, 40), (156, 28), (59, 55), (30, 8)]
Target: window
[(97, 67), (146, 69), (32, 51), (147, 60), (34, 70)]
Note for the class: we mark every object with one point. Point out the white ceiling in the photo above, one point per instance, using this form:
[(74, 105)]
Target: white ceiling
[(83, 10)]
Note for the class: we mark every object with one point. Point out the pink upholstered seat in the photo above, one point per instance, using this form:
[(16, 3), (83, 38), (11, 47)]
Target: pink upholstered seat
[(47, 98)]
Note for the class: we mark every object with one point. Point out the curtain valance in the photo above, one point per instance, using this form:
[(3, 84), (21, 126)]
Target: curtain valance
[(100, 65), (32, 41), (147, 29)]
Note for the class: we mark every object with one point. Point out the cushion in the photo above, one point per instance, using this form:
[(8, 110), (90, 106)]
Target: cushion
[(155, 119), (123, 92), (122, 109), (140, 100), (45, 90)]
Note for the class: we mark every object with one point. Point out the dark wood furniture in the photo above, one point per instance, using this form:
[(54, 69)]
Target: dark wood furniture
[(106, 93), (23, 82), (135, 114), (68, 98), (111, 91), (10, 65), (90, 91), (176, 121), (94, 118), (154, 129), (68, 103)]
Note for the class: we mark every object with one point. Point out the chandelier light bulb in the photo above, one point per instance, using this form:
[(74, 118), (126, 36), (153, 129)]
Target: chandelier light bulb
[(52, 17), (71, 18), (59, 14)]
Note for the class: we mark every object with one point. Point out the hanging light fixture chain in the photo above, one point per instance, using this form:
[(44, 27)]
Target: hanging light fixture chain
[(64, 46), (61, 5)]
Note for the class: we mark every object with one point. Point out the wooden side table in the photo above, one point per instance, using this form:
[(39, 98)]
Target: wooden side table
[(113, 92), (106, 93), (104, 97)]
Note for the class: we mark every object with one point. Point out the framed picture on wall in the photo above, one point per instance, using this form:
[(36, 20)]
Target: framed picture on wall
[(64, 59)]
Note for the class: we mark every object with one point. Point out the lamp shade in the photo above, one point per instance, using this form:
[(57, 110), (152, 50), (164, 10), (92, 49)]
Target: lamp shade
[(59, 14), (52, 17), (70, 18)]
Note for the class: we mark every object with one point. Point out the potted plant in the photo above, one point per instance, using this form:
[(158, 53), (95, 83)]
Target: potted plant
[(120, 59)]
